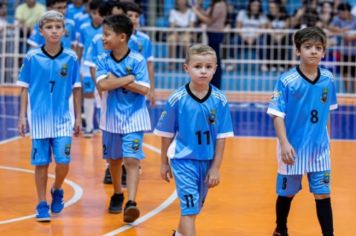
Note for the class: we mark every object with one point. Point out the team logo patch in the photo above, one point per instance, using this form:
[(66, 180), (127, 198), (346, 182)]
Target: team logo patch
[(64, 70), (67, 150), (140, 47), (326, 178), (212, 117), (128, 70), (324, 95), (276, 95), (135, 145)]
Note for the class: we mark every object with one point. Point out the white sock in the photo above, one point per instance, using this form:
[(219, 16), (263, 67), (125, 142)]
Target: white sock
[(177, 233), (89, 113)]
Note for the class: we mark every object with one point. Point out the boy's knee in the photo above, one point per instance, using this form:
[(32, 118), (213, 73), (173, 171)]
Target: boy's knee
[(321, 196), (131, 163)]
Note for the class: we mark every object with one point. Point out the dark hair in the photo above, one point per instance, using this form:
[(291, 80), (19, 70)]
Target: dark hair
[(50, 3), (105, 8), (131, 6), (94, 5), (249, 14), (310, 33), (119, 24), (344, 7)]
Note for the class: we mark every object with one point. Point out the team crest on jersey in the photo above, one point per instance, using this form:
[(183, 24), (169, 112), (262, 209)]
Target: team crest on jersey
[(67, 150), (140, 47), (64, 70), (135, 145), (326, 178), (212, 117), (324, 95), (164, 113), (276, 95), (128, 70)]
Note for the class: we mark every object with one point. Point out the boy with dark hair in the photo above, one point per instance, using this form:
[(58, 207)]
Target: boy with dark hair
[(193, 126), (48, 76), (300, 108), (122, 78)]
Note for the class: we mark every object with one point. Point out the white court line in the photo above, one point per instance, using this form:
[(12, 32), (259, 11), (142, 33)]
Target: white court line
[(78, 193), (150, 214)]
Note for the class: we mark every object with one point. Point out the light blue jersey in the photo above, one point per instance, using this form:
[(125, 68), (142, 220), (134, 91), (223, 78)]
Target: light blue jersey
[(79, 19), (50, 80), (72, 10), (37, 40), (305, 106), (123, 111), (195, 123)]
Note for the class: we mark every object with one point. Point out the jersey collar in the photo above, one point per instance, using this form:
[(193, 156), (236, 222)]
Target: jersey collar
[(118, 61), (50, 56), (195, 97), (306, 78)]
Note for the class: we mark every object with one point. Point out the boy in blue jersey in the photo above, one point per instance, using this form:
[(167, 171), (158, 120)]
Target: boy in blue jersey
[(48, 76), (77, 6), (87, 32), (122, 78), (300, 107), (194, 125), (68, 40)]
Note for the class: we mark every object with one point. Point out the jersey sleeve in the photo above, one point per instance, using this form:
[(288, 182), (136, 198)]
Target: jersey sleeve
[(36, 39), (89, 59), (76, 75), (277, 105), (101, 69), (25, 73), (141, 73), (225, 129), (167, 123), (333, 97), (148, 50)]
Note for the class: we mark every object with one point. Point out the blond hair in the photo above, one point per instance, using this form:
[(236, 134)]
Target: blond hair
[(50, 16), (199, 49)]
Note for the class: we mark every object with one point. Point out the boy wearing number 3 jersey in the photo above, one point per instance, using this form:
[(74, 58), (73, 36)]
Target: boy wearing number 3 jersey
[(47, 79), (302, 100), (194, 125)]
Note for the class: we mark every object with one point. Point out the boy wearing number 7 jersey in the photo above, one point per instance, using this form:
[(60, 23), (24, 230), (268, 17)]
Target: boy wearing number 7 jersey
[(193, 126), (302, 100), (47, 78)]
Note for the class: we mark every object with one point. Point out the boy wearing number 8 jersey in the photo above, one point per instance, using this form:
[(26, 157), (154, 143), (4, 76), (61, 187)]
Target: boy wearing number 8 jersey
[(193, 126), (302, 100), (47, 78)]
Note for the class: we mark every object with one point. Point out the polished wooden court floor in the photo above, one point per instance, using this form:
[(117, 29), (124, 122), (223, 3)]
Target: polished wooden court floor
[(242, 205)]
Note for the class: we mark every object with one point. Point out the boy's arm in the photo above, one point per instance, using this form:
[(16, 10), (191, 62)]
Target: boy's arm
[(111, 82), (166, 172), (22, 116), (137, 88), (287, 151), (213, 176), (151, 95), (77, 110)]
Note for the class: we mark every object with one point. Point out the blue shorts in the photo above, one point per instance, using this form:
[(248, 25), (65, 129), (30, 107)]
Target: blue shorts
[(319, 183), (88, 85), (42, 150), (117, 146), (189, 176)]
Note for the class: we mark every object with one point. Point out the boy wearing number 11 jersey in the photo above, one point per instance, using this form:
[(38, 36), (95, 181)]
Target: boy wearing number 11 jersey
[(193, 126), (300, 108)]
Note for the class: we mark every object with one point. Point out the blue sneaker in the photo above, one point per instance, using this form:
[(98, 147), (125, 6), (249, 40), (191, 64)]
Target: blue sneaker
[(57, 204), (43, 212)]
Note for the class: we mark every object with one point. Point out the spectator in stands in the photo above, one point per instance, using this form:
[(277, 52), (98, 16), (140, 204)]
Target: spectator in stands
[(326, 13), (181, 17), (215, 18), (274, 43), (2, 16), (344, 24), (28, 13), (305, 15)]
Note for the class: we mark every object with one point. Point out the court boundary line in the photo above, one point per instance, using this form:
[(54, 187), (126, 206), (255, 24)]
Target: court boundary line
[(151, 213), (78, 193)]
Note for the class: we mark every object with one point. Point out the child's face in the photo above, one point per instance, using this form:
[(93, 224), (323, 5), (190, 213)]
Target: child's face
[(96, 18), (201, 69), (311, 52), (111, 40), (134, 17), (52, 31), (60, 7)]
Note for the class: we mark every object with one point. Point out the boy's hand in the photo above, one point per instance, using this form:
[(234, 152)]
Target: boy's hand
[(151, 97), (77, 126), (287, 153), (21, 126), (166, 172), (213, 177)]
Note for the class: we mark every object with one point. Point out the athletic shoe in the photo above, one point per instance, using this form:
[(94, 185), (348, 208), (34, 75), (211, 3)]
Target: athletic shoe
[(57, 204), (131, 212), (280, 233), (116, 202), (43, 212)]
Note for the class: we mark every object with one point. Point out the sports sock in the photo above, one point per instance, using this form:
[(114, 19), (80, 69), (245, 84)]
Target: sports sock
[(282, 211), (89, 113), (325, 216)]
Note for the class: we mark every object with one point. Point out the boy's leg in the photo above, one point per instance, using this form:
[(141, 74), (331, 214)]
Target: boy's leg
[(89, 105), (115, 171), (187, 225), (132, 174), (287, 187), (41, 177), (319, 183)]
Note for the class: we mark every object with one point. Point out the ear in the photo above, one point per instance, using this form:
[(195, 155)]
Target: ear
[(185, 66), (297, 52)]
